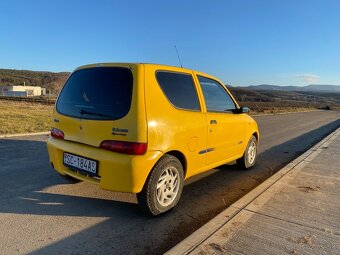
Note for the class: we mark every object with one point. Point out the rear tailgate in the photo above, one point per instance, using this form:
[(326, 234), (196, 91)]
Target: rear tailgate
[(103, 102)]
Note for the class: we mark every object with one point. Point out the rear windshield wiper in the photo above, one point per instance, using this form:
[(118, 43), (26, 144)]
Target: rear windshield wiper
[(82, 112)]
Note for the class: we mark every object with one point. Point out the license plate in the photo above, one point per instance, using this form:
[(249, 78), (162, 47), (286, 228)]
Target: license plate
[(79, 163)]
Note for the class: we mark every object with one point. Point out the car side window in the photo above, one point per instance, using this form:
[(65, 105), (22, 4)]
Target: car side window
[(215, 96), (180, 89)]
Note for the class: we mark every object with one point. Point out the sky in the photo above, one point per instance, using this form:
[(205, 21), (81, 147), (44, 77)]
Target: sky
[(291, 42)]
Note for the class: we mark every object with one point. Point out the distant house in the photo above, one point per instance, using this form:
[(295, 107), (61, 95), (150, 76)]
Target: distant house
[(22, 91)]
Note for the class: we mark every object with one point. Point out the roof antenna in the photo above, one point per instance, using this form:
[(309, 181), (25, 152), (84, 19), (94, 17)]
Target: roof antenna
[(178, 57)]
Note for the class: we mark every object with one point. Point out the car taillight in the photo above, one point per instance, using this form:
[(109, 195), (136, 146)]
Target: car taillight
[(56, 133), (125, 147)]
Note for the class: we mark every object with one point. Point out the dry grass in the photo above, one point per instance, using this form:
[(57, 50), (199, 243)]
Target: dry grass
[(24, 117), (281, 110), (277, 107)]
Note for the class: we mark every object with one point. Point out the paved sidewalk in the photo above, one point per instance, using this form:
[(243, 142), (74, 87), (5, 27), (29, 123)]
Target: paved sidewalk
[(296, 211)]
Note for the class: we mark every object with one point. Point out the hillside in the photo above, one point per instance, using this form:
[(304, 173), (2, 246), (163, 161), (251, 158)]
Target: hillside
[(49, 80), (262, 100), (258, 97), (308, 88), (323, 88)]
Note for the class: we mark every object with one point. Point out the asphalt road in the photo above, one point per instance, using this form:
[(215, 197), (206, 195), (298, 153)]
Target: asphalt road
[(42, 214)]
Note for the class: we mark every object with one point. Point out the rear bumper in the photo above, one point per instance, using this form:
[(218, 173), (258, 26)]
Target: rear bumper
[(118, 172)]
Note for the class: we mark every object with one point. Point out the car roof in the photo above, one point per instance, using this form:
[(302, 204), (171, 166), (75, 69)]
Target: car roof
[(160, 66), (131, 63)]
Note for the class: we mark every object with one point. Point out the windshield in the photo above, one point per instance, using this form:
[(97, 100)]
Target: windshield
[(101, 93)]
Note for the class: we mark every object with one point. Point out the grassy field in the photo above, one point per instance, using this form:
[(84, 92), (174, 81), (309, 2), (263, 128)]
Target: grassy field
[(274, 107), (24, 117)]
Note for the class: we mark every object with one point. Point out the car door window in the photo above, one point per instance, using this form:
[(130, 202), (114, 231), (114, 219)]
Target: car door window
[(216, 97)]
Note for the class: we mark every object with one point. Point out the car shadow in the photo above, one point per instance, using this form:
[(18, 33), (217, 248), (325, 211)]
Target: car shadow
[(27, 177)]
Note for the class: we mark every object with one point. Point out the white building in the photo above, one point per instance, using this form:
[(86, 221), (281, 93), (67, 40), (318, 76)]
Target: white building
[(22, 91)]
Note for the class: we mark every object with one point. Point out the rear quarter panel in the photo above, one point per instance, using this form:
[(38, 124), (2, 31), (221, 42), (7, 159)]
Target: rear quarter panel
[(173, 129)]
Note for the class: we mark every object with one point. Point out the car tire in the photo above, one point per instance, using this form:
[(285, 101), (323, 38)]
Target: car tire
[(250, 154), (163, 188)]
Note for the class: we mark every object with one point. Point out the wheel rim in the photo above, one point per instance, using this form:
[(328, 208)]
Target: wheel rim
[(252, 152), (167, 186)]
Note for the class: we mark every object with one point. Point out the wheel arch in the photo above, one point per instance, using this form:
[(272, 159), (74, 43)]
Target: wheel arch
[(253, 132), (256, 134), (181, 157)]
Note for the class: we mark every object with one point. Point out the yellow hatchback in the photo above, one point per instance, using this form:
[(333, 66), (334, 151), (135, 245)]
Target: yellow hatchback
[(145, 128)]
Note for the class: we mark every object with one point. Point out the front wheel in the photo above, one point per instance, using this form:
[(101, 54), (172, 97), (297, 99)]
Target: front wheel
[(250, 154), (163, 187)]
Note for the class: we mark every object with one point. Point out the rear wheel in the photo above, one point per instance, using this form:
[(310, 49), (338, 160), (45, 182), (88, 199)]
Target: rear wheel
[(250, 154), (163, 187)]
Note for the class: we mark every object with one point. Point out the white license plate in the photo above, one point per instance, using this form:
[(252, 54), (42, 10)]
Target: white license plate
[(80, 163)]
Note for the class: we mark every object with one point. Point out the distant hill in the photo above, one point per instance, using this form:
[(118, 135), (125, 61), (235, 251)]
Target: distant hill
[(287, 96), (322, 88), (308, 88), (311, 94), (50, 80)]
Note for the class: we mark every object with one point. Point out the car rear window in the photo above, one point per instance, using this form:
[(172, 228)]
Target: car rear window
[(180, 89), (101, 93)]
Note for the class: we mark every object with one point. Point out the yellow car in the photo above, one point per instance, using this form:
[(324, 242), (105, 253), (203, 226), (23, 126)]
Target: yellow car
[(145, 128)]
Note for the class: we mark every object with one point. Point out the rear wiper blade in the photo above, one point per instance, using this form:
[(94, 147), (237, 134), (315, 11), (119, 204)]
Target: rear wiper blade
[(82, 112)]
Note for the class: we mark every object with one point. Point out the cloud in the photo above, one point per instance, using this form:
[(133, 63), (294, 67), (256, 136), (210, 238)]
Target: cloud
[(309, 78)]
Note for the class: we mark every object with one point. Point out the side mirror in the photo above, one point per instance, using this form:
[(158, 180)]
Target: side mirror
[(244, 109)]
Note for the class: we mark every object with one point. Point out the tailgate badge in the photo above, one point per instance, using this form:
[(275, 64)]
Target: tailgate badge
[(120, 131)]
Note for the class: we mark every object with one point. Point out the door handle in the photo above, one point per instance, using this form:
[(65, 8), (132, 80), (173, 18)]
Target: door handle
[(213, 122)]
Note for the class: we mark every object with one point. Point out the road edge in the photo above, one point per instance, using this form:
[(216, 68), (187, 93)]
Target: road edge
[(24, 134), (203, 233)]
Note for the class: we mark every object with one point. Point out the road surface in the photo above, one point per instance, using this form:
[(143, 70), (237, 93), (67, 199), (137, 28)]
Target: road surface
[(42, 214)]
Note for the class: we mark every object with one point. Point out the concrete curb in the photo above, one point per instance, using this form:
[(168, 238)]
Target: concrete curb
[(24, 134), (206, 231)]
